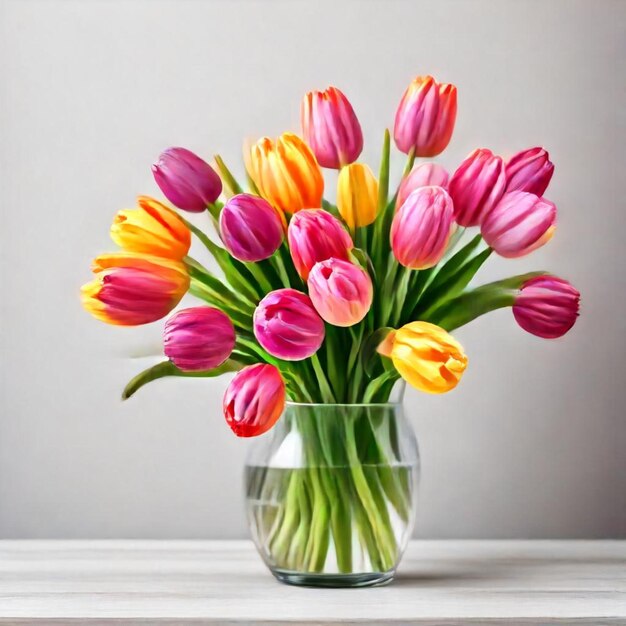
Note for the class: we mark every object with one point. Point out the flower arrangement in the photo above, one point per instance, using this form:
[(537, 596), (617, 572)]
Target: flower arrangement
[(332, 300)]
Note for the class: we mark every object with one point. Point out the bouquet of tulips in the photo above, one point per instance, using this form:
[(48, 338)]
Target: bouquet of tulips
[(332, 300)]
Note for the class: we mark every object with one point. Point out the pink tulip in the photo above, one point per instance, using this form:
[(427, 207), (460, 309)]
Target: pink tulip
[(476, 186), (341, 292), (187, 181), (529, 170), (520, 223), (199, 338), (425, 117), (316, 235), (547, 306), (250, 227), (287, 325), (331, 128), (423, 175), (421, 228), (254, 400)]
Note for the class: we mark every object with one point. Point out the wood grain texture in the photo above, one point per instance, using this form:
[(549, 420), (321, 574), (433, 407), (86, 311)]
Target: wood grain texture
[(225, 582)]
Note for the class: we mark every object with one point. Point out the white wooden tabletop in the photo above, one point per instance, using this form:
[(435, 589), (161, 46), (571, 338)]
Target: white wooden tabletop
[(225, 582)]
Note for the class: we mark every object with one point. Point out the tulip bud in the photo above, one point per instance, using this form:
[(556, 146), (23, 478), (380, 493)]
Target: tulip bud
[(287, 325), (151, 229), (357, 195), (250, 227), (426, 356), (254, 400), (199, 338), (187, 181), (132, 289), (340, 291), (529, 170), (476, 186), (546, 306), (423, 175), (286, 173), (425, 117), (520, 223), (316, 235), (331, 128), (421, 228)]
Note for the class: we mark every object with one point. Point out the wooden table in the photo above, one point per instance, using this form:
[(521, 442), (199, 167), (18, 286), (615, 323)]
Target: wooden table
[(225, 582)]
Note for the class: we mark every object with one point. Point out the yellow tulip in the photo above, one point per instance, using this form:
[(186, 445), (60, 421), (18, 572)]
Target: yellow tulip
[(357, 195), (286, 173), (426, 356), (151, 229)]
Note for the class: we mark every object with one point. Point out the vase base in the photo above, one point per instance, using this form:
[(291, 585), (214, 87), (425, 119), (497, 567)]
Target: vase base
[(371, 579)]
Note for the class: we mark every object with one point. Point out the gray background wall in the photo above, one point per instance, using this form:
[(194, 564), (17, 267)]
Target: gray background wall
[(530, 445)]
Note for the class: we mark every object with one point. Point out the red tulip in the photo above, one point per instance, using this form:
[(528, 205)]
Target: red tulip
[(529, 170), (316, 235), (254, 400), (476, 186)]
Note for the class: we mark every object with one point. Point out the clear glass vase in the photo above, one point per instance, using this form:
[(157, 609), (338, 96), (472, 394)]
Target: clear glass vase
[(331, 493)]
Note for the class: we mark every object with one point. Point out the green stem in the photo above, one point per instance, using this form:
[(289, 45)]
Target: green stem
[(325, 388), (167, 368)]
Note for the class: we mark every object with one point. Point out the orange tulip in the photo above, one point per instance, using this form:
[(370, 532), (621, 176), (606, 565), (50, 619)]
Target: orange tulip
[(152, 229), (132, 288), (286, 173)]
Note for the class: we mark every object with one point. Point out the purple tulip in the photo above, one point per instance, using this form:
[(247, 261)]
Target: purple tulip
[(250, 227), (529, 170), (199, 338), (287, 325), (520, 223), (187, 181), (547, 306)]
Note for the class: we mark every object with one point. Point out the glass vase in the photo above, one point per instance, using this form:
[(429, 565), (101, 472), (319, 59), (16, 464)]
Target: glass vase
[(331, 493)]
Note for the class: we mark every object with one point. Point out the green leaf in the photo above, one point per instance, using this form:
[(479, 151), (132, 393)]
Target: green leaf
[(369, 356), (451, 286), (450, 267), (167, 368), (467, 306), (383, 175), (233, 187)]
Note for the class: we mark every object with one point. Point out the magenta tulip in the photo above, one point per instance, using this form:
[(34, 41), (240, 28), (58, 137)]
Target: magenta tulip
[(187, 181), (425, 117), (341, 292), (421, 228), (423, 175), (520, 223), (316, 235), (287, 325), (199, 338), (331, 128), (254, 400), (250, 227), (547, 306), (529, 170), (476, 186)]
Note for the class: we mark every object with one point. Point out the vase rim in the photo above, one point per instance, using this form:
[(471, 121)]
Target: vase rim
[(343, 404)]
